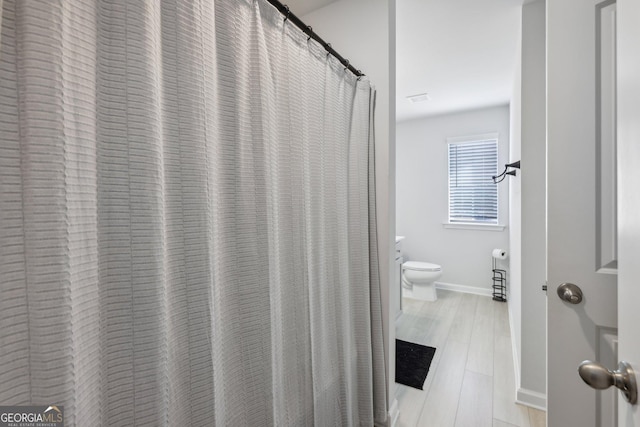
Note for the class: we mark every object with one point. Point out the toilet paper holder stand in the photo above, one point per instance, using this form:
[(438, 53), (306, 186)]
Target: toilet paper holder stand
[(499, 282)]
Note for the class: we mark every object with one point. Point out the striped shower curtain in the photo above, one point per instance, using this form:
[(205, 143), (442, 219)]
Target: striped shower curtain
[(186, 218)]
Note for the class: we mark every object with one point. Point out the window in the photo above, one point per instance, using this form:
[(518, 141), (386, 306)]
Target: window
[(473, 197)]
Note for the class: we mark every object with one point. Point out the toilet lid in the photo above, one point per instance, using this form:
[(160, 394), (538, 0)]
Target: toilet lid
[(421, 266)]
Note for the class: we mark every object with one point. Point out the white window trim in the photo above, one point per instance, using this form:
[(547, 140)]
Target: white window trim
[(474, 226), (470, 226)]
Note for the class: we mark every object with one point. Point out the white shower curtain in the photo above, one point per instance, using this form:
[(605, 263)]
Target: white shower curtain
[(187, 218)]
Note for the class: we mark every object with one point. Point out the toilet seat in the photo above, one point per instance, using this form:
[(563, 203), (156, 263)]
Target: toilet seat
[(421, 266)]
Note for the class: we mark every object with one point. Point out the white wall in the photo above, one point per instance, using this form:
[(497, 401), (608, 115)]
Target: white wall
[(534, 199), (363, 31), (514, 290), (422, 196), (527, 301)]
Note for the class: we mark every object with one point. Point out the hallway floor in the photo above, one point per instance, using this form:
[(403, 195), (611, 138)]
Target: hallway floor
[(471, 379)]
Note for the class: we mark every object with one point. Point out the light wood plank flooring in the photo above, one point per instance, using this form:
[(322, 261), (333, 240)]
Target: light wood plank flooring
[(471, 380)]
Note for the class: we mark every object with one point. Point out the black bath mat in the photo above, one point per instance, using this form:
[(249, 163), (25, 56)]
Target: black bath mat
[(412, 363)]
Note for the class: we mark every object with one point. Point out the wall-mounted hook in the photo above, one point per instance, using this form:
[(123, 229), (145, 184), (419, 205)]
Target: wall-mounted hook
[(499, 178), (513, 165)]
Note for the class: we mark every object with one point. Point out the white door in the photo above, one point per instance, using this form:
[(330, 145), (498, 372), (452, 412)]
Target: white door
[(629, 195), (580, 214)]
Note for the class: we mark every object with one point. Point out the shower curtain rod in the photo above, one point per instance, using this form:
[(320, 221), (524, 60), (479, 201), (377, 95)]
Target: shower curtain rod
[(289, 16)]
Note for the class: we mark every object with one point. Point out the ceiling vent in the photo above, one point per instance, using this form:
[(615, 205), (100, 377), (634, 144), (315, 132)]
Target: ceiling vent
[(421, 97)]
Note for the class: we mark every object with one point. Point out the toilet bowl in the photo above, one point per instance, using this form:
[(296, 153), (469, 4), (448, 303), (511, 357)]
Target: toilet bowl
[(418, 280)]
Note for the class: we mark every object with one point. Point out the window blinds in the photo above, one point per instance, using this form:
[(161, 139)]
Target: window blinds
[(473, 197)]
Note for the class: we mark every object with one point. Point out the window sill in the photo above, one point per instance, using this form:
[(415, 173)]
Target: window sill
[(469, 226)]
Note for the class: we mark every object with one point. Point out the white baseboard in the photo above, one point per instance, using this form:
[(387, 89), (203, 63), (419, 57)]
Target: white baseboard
[(464, 288), (531, 398)]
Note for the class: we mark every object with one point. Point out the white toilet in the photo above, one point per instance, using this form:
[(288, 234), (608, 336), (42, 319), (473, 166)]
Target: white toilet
[(418, 280)]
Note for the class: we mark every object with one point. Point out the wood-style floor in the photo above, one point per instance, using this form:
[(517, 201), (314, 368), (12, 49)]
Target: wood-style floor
[(471, 379)]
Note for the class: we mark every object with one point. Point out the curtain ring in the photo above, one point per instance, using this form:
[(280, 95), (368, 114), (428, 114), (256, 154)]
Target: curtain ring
[(328, 47), (346, 67), (288, 13), (310, 32)]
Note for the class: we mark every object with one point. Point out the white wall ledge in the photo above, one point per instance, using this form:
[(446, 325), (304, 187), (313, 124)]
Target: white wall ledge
[(469, 226)]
